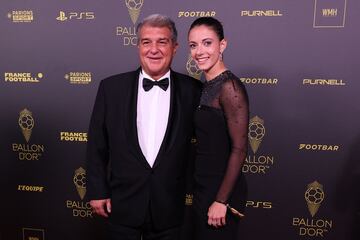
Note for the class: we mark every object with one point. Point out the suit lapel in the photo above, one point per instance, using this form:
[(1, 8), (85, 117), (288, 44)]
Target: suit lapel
[(173, 120), (131, 128)]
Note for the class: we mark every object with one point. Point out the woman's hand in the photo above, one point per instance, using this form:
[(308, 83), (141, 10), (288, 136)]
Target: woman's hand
[(216, 214), (101, 207)]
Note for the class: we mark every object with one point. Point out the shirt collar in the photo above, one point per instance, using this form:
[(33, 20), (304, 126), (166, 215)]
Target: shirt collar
[(143, 74)]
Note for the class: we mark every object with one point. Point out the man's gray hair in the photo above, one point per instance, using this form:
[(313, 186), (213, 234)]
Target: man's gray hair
[(158, 20)]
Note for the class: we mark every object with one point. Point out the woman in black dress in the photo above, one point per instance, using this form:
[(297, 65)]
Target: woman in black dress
[(221, 130)]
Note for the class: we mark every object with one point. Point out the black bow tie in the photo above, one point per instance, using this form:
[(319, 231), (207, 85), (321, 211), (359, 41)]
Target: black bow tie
[(148, 84)]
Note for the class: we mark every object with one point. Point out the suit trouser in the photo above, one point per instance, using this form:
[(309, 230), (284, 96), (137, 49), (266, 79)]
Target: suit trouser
[(144, 232)]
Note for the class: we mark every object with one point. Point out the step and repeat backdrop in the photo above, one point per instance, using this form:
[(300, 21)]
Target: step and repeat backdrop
[(298, 59)]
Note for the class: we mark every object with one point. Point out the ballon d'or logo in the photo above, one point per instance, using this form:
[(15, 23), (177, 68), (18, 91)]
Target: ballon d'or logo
[(134, 7), (256, 132), (80, 182), (189, 199), (192, 68), (314, 196), (26, 123)]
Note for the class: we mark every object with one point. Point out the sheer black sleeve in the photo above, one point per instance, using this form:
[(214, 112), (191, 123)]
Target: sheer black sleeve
[(233, 100)]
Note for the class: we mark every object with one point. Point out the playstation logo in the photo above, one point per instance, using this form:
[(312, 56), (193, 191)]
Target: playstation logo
[(62, 17)]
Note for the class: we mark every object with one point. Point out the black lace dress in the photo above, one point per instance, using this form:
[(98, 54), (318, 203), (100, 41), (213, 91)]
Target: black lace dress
[(221, 130)]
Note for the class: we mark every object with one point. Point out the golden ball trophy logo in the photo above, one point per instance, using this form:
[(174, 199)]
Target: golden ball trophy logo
[(27, 151), (314, 196), (192, 68), (313, 227), (189, 199), (258, 164), (26, 123), (128, 33), (81, 208), (256, 132), (80, 182), (134, 8)]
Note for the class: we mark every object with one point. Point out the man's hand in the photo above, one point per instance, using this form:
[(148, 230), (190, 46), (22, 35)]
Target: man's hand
[(216, 214), (100, 205)]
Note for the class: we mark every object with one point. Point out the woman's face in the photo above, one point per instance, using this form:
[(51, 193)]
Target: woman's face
[(205, 47)]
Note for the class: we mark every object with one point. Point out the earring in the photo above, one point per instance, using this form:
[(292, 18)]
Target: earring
[(221, 56)]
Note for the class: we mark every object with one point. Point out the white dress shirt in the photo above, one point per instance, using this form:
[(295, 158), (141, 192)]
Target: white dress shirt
[(152, 117)]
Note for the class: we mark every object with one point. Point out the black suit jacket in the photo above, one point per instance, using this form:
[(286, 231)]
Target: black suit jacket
[(116, 167)]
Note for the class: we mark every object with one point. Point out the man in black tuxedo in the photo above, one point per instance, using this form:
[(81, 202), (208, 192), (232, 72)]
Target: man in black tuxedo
[(139, 140)]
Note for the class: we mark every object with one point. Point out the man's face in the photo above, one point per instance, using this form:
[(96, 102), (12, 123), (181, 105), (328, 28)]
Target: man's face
[(156, 50)]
